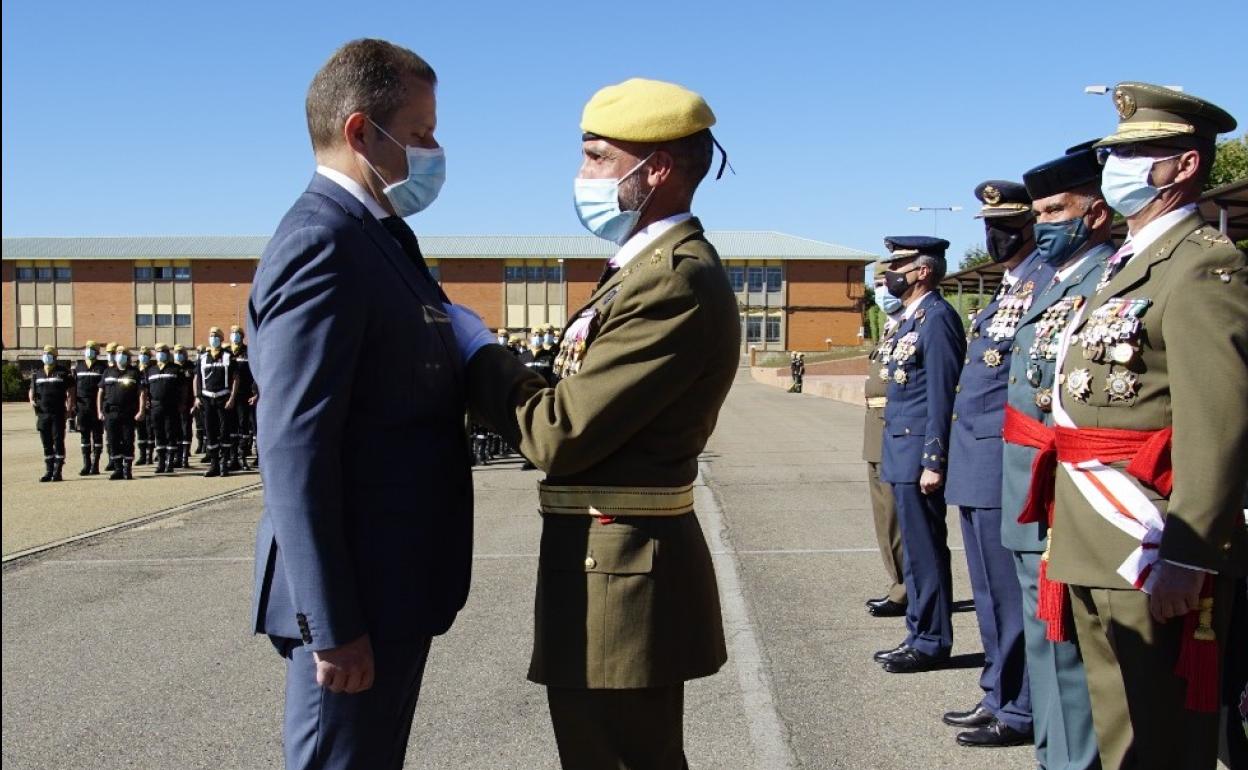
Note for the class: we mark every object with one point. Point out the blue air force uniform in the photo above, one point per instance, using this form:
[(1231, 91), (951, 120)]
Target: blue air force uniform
[(1061, 709), (922, 368), (975, 459)]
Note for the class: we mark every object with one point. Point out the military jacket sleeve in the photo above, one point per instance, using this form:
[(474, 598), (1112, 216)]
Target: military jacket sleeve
[(943, 348)]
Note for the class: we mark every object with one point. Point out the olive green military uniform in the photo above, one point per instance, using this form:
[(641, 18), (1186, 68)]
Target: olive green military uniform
[(1180, 363), (884, 509), (630, 606)]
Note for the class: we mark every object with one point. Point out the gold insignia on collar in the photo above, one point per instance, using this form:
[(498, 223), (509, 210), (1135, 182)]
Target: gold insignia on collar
[(1125, 103), (992, 196)]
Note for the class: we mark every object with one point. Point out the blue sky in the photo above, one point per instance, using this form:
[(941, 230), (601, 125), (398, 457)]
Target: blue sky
[(137, 118)]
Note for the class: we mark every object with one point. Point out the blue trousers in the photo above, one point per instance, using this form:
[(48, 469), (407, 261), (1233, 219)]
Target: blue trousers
[(929, 583), (366, 731), (998, 608), (1065, 738)]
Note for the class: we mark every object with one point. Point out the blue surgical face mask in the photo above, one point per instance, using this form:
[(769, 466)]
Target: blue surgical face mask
[(214, 341), (597, 204), (144, 359), (535, 341), (549, 339), (1127, 184), (885, 301), (426, 173), (1058, 241), (162, 357), (48, 359), (179, 358), (89, 354), (236, 338), (122, 359)]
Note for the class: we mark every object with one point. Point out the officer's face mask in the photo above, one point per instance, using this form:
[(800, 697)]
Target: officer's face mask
[(1004, 241), (426, 173), (897, 281), (886, 301), (535, 341), (179, 358), (122, 359), (214, 341), (162, 357), (1058, 241), (89, 354), (597, 204), (549, 339), (48, 359), (236, 338), (144, 359), (1127, 183)]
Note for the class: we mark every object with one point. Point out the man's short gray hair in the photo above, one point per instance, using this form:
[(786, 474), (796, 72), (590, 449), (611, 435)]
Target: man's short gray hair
[(935, 264)]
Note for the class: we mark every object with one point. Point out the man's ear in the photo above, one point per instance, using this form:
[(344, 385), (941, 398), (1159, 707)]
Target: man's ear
[(1098, 209), (1188, 166), (660, 168), (355, 130)]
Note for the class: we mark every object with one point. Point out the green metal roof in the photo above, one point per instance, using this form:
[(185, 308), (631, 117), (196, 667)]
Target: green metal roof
[(731, 244)]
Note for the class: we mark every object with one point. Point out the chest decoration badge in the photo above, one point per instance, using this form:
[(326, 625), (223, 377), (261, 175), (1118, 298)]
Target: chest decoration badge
[(1049, 329), (1121, 386), (899, 376), (1079, 384), (992, 357), (905, 348), (1044, 399), (1010, 310), (1113, 330)]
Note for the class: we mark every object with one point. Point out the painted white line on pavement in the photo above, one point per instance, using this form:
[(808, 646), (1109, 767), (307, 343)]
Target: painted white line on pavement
[(767, 735)]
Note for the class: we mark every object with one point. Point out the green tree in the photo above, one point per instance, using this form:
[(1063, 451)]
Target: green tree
[(1231, 162), (974, 257)]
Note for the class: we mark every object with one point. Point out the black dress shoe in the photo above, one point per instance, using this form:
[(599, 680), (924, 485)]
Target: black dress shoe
[(887, 609), (911, 661), (884, 655), (976, 717), (994, 735), (880, 600)]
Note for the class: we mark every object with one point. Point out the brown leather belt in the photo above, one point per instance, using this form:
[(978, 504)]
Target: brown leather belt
[(616, 501)]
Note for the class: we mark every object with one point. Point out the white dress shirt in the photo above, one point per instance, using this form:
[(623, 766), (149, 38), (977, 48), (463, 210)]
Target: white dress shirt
[(356, 190)]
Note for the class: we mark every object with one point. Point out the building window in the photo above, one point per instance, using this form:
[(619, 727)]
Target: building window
[(26, 316), (182, 273), (514, 273), (753, 328), (62, 274), (736, 277), (164, 319), (25, 274), (773, 279), (143, 274), (64, 316), (43, 273), (754, 275), (554, 274), (164, 273), (536, 274), (773, 328), (182, 319), (143, 319)]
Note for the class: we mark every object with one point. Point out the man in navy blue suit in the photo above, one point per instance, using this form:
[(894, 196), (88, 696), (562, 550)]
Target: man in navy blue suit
[(1002, 717), (364, 548), (922, 367)]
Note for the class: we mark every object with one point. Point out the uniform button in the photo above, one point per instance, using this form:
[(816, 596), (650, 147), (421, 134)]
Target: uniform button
[(967, 360), (955, 416), (1016, 348), (1013, 380), (907, 430), (957, 389), (590, 563)]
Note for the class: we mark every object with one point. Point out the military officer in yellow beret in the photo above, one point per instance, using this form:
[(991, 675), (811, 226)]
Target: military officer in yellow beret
[(1152, 431), (627, 605)]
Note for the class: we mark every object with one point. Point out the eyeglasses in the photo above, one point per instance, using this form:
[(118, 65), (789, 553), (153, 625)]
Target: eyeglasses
[(1126, 151)]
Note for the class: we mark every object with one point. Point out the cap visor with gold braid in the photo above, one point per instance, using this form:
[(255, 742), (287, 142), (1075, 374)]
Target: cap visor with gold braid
[(1148, 112)]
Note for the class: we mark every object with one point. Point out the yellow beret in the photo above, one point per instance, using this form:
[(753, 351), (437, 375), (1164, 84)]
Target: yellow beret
[(161, 346), (236, 328), (640, 110), (179, 348), (110, 347), (49, 349), (214, 330), (91, 344), (120, 349)]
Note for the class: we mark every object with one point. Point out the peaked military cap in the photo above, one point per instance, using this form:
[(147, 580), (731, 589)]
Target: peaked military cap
[(904, 246), (1147, 112), (1076, 168), (1002, 199), (640, 110)]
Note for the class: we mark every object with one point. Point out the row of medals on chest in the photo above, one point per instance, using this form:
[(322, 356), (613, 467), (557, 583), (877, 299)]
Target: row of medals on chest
[(1111, 336)]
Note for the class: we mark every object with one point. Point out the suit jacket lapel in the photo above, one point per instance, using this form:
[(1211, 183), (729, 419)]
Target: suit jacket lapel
[(1138, 268), (674, 236)]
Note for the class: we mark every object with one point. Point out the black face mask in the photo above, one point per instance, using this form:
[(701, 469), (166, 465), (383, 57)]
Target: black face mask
[(896, 283), (1004, 242)]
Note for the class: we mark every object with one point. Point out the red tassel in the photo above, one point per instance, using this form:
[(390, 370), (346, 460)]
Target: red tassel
[(1052, 605), (1198, 655)]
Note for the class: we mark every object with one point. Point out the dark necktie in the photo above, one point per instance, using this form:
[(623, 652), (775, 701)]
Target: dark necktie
[(411, 247)]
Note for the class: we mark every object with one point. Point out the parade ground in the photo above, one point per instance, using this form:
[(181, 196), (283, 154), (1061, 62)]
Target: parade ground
[(131, 648)]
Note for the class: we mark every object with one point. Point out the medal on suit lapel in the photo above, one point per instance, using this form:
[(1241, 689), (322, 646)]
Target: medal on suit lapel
[(992, 357)]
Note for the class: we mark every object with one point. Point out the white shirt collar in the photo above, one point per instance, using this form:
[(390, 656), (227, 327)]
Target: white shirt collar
[(356, 190), (1150, 232), (644, 237)]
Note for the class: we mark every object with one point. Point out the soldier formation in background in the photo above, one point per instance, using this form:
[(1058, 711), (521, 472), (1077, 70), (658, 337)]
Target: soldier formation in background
[(1091, 428)]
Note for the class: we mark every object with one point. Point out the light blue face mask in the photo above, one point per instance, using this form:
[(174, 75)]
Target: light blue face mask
[(48, 359), (122, 359), (144, 359), (597, 204), (1127, 184), (426, 173), (180, 358), (162, 357), (236, 338), (885, 301), (89, 354), (549, 339), (214, 341)]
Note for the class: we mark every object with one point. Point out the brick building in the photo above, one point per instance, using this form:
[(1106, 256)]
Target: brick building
[(794, 293)]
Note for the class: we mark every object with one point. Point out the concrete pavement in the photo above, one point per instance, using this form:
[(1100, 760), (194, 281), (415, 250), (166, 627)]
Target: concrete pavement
[(131, 649)]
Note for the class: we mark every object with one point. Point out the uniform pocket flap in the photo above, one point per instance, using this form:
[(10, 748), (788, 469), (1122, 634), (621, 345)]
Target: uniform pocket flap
[(906, 426), (604, 551)]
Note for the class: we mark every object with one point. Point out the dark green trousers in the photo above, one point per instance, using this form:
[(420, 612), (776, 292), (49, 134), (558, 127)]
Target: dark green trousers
[(619, 729)]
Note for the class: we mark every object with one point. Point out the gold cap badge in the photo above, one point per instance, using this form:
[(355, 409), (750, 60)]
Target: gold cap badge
[(992, 196)]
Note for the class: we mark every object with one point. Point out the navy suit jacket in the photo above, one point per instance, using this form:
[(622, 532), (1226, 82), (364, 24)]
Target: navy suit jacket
[(916, 418), (367, 523), (979, 408)]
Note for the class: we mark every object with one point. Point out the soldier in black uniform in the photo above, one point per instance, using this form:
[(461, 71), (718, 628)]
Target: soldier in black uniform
[(797, 370), (242, 417), (143, 428), (110, 350), (120, 403), (88, 374), (185, 420), (163, 381), (198, 414), (216, 394), (52, 398), (544, 353)]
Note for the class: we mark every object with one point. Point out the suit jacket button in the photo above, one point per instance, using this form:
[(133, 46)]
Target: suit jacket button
[(955, 416), (1013, 380), (967, 361), (590, 563), (907, 431), (957, 389)]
